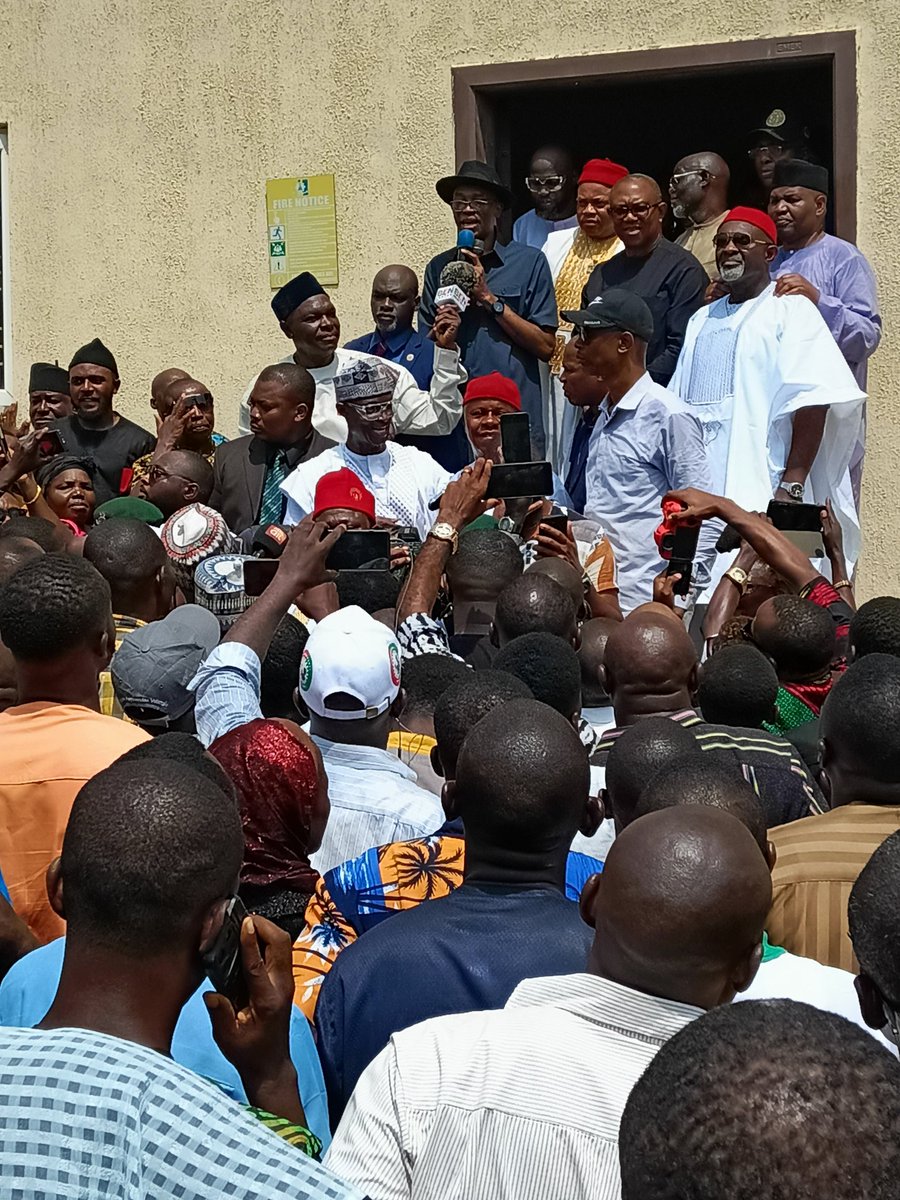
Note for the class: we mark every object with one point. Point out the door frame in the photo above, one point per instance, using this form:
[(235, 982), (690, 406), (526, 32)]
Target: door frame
[(473, 88)]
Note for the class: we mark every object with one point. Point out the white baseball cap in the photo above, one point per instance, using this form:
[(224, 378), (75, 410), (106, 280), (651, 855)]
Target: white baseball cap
[(350, 653)]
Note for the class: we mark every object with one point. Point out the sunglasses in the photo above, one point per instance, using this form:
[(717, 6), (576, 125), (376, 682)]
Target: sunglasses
[(743, 241), (544, 183)]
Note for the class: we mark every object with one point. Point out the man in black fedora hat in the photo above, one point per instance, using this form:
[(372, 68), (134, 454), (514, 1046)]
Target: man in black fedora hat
[(510, 322)]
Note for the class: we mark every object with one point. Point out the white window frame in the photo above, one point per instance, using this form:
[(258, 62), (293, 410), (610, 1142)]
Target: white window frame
[(6, 383)]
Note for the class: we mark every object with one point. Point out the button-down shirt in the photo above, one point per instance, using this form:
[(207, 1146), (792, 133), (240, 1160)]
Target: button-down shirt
[(374, 799), (520, 277), (532, 230), (436, 409), (227, 691), (818, 862), (848, 295), (520, 1104), (641, 448)]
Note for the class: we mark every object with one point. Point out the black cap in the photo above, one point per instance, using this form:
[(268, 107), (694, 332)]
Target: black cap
[(48, 377), (302, 287), (794, 172), (616, 308), (474, 172), (97, 355), (781, 128)]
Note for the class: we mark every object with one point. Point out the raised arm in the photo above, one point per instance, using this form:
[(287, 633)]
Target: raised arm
[(537, 336)]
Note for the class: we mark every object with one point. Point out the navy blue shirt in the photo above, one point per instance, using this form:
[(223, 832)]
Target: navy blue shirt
[(519, 276), (575, 474), (413, 350), (464, 952)]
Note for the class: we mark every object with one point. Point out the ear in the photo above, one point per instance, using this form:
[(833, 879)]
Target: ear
[(191, 492), (663, 209), (493, 636), (821, 204), (771, 251), (605, 806), (771, 855), (592, 817), (116, 386), (745, 972), (54, 881), (302, 413), (626, 341), (397, 707), (212, 924), (587, 901), (870, 1003), (103, 647), (693, 679), (284, 329), (449, 799), (434, 757)]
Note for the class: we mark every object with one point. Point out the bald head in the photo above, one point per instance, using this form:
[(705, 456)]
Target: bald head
[(160, 383), (698, 188), (704, 160), (564, 574), (650, 667), (15, 552), (680, 908), (395, 296), (594, 636)]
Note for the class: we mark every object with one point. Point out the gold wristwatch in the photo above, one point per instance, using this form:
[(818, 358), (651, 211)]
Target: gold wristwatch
[(444, 532), (738, 577)]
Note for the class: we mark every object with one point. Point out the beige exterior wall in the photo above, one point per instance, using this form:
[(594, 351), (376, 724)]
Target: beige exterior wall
[(141, 136)]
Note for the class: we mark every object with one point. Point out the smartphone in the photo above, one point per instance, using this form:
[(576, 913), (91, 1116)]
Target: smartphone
[(50, 443), (222, 961), (511, 480), (258, 574), (515, 437), (801, 524), (681, 559), (557, 521), (361, 550)]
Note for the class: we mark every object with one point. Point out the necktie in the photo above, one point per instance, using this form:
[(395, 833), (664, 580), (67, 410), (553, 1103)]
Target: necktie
[(272, 498)]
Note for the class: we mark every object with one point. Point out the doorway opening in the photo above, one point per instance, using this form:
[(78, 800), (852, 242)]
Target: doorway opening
[(647, 109)]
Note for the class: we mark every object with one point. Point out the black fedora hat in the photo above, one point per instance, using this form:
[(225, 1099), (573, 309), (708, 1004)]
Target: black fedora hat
[(476, 172)]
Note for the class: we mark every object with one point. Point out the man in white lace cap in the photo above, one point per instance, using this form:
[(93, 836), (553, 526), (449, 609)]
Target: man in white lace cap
[(402, 479)]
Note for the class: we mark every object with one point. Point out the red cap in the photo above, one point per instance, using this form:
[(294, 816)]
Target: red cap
[(601, 170), (753, 216), (494, 387), (342, 489)]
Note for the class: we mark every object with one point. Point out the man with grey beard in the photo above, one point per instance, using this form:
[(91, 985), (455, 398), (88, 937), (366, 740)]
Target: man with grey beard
[(698, 191), (779, 406)]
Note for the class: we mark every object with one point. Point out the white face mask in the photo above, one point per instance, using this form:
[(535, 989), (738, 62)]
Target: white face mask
[(732, 273)]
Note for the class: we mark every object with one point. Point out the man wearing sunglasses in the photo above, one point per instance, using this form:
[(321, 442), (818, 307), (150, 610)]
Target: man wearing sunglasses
[(779, 406), (698, 190), (551, 183), (402, 479), (185, 416), (669, 280)]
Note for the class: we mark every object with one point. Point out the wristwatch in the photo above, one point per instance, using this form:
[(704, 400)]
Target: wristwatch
[(738, 577), (444, 532), (794, 490), (497, 308)]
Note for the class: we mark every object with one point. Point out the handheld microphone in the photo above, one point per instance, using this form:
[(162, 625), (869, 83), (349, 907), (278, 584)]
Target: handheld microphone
[(465, 240), (457, 279), (269, 541)]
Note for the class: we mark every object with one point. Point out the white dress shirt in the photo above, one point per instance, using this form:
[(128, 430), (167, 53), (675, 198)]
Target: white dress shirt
[(520, 1104), (641, 448), (374, 799), (436, 411), (402, 479)]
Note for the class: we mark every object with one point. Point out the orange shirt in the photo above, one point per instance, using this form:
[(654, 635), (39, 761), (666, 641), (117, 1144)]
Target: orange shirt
[(47, 751)]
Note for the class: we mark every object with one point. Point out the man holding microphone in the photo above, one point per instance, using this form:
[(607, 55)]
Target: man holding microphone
[(509, 323)]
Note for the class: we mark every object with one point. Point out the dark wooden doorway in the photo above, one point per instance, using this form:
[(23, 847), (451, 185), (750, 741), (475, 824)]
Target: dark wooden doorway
[(648, 108)]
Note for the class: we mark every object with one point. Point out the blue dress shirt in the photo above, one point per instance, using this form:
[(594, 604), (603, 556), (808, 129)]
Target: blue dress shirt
[(520, 277), (30, 986)]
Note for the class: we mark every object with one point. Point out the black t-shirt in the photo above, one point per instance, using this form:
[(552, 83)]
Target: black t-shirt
[(672, 284), (110, 451)]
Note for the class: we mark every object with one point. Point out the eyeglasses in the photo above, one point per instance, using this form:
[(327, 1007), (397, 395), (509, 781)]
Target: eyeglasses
[(743, 241), (544, 183), (639, 210), (687, 174), (460, 206), (156, 474), (375, 410), (773, 149)]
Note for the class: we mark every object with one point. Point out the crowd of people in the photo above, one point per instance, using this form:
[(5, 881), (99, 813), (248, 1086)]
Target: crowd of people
[(377, 822)]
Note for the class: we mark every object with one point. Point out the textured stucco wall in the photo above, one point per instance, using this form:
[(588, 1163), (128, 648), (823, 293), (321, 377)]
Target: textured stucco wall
[(141, 136)]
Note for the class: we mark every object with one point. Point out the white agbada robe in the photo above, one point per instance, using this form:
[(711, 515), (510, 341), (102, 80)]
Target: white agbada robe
[(784, 359), (560, 417)]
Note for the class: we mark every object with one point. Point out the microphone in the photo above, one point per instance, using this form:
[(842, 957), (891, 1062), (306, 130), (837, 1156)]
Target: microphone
[(269, 541), (457, 279)]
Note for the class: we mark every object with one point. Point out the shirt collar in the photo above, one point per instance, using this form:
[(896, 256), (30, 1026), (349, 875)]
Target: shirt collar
[(716, 220), (396, 341), (603, 1002), (500, 250), (633, 396), (366, 758)]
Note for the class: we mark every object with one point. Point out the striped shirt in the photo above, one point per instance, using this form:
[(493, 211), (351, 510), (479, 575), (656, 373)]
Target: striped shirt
[(771, 765), (818, 862), (518, 1104)]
